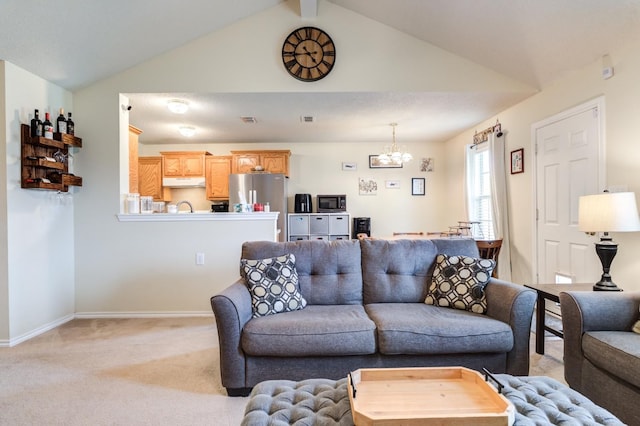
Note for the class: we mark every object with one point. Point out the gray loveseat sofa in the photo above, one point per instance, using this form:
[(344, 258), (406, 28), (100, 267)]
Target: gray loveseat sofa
[(601, 353), (366, 310)]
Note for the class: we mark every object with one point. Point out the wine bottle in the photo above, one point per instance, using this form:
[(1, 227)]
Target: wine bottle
[(47, 127), (61, 122), (70, 125), (36, 124)]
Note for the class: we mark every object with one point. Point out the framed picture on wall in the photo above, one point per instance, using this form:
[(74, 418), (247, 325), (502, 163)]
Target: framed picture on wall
[(417, 186), (374, 163), (517, 161)]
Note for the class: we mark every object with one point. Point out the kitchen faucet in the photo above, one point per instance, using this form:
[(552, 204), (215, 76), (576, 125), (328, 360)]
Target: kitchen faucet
[(184, 202)]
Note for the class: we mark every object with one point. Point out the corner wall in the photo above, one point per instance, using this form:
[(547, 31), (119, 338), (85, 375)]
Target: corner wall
[(39, 227)]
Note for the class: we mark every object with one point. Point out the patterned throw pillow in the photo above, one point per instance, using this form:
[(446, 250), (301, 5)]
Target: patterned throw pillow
[(273, 284), (459, 281), (636, 327)]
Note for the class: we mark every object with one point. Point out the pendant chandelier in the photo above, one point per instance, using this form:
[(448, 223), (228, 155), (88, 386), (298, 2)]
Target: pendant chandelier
[(392, 154)]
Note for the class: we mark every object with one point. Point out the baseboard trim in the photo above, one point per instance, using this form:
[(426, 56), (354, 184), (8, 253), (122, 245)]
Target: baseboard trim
[(36, 332), (176, 314), (99, 315)]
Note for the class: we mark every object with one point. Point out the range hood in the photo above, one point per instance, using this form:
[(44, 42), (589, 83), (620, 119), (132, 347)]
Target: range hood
[(183, 182)]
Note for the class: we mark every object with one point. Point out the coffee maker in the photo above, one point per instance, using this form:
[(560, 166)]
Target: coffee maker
[(361, 225), (302, 203)]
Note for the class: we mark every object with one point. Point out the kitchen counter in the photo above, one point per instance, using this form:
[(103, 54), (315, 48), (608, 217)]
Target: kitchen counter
[(198, 216)]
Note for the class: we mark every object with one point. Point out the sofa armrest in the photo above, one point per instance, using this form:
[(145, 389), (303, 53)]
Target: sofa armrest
[(232, 310), (592, 311), (513, 304)]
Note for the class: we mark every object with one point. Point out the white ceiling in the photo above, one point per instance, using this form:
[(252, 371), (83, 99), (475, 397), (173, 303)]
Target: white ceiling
[(535, 42)]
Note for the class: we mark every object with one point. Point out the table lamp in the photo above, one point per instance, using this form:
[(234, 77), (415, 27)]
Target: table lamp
[(608, 212)]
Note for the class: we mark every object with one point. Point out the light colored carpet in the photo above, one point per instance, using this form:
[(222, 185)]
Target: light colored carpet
[(135, 372)]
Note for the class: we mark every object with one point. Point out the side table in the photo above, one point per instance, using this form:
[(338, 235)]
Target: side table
[(550, 292)]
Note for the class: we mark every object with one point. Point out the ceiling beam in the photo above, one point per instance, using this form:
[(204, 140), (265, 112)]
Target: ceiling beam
[(308, 9)]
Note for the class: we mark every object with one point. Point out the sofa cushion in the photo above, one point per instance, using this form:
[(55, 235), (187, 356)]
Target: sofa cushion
[(329, 272), (395, 271), (458, 282), (273, 284), (617, 352), (317, 330), (417, 328)]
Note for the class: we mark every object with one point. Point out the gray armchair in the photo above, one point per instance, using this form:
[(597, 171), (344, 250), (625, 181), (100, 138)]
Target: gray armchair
[(601, 353)]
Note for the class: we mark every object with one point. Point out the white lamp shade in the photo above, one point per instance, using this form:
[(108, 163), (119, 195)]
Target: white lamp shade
[(608, 212)]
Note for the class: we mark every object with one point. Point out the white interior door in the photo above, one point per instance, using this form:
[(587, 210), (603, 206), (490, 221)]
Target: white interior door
[(568, 165)]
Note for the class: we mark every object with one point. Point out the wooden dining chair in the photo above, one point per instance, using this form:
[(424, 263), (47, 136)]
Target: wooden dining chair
[(490, 249)]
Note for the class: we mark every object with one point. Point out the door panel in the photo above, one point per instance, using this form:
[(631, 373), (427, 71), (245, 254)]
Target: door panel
[(567, 167)]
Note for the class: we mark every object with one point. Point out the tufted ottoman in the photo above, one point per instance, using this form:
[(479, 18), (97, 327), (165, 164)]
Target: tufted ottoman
[(538, 401)]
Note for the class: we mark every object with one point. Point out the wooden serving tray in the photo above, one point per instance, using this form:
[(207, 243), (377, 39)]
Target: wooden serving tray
[(449, 396)]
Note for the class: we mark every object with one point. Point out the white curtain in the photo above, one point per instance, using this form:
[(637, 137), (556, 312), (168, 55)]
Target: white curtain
[(500, 213), (468, 158)]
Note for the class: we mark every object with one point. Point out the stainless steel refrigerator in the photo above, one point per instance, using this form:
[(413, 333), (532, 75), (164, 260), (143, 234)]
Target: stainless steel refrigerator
[(269, 188)]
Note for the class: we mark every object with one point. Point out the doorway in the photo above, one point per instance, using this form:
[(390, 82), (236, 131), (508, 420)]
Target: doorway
[(569, 163)]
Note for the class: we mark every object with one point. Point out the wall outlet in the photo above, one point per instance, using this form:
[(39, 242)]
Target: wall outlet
[(199, 258)]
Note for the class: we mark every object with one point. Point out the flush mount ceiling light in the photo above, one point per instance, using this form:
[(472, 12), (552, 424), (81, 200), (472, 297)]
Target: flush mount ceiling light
[(177, 106), (187, 131), (392, 154)]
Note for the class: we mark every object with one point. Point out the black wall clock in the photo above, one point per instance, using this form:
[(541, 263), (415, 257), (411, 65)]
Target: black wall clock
[(308, 54)]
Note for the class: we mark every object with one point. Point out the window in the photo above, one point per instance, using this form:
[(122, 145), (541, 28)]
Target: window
[(479, 191)]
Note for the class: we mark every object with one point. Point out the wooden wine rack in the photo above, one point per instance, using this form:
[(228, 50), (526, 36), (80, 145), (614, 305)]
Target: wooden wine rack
[(35, 166)]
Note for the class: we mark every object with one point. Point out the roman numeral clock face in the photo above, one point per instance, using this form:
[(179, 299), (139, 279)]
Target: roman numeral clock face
[(308, 54)]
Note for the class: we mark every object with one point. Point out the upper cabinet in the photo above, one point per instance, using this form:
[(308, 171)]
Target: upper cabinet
[(217, 169), (270, 161), (183, 163)]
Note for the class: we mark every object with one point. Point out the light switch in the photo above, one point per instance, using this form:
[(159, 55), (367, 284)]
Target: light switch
[(199, 258)]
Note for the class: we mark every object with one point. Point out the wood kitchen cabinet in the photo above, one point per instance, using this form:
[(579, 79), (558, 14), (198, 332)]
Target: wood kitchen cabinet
[(134, 134), (183, 163), (272, 161), (150, 179), (217, 170)]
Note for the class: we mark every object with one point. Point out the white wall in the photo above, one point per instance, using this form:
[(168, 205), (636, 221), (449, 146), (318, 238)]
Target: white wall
[(149, 268), (39, 228), (4, 247), (370, 60), (622, 131)]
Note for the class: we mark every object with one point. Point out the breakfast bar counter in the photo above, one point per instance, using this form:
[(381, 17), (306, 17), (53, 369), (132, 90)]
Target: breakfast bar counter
[(199, 216)]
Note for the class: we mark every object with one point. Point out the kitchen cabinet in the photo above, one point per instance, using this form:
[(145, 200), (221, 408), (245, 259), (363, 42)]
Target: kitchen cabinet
[(183, 163), (217, 170), (44, 162), (134, 134), (150, 179), (271, 161), (319, 226)]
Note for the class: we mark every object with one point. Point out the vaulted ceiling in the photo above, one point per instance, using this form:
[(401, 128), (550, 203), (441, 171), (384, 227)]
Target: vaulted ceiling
[(76, 43)]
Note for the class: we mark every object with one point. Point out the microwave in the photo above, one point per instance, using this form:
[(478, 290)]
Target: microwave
[(331, 203)]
